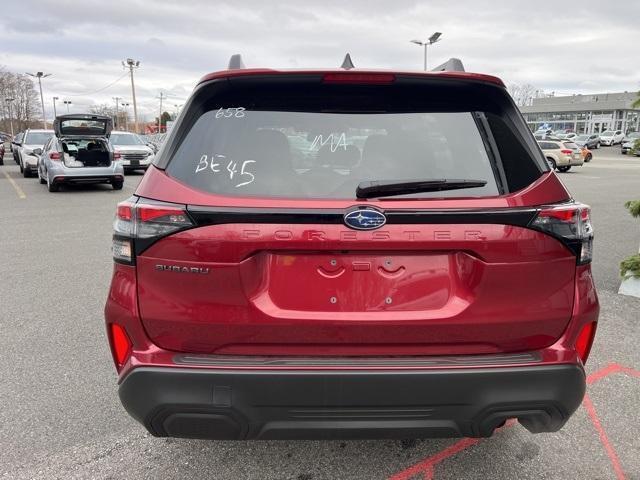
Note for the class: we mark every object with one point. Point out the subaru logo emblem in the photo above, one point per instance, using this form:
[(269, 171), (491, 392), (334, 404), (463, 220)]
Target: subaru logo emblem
[(365, 219)]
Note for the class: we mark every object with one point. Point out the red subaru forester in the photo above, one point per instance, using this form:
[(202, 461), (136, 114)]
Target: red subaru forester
[(350, 254)]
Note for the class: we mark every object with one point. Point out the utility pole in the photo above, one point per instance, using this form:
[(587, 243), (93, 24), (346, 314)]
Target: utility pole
[(55, 113), (9, 101), (40, 76), (131, 64), (117, 100), (67, 103), (160, 116)]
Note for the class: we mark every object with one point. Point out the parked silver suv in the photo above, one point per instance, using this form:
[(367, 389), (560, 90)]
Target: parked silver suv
[(80, 153)]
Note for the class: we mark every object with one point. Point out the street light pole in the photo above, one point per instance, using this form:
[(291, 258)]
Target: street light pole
[(67, 103), (160, 116), (430, 41), (9, 101), (126, 116), (55, 113), (131, 64), (40, 76)]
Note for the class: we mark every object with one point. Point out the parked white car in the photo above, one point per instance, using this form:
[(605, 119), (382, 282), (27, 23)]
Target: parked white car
[(135, 154), (611, 137)]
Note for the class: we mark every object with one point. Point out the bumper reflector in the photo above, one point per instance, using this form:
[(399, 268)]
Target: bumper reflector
[(585, 340), (120, 344)]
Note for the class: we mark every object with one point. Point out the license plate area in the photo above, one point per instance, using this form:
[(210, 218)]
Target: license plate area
[(361, 282)]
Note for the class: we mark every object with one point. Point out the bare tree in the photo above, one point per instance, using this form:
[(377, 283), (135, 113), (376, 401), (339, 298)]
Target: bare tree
[(22, 107), (120, 120), (523, 94)]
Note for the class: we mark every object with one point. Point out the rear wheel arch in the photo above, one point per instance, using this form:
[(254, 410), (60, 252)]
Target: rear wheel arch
[(551, 162)]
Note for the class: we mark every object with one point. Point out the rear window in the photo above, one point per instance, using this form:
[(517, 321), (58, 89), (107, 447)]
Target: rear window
[(37, 138), (319, 154), (83, 127)]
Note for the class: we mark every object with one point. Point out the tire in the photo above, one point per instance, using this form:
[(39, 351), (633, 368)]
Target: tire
[(564, 169), (588, 158), (21, 168), (117, 185), (552, 163), (52, 187), (40, 179), (26, 173), (597, 145)]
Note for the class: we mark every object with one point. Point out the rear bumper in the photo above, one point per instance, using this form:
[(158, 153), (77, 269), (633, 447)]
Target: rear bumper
[(105, 178), (342, 404)]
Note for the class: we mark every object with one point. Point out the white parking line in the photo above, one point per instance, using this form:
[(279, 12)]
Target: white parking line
[(16, 187)]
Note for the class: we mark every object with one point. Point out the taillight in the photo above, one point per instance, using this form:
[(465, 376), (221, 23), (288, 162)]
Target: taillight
[(116, 156), (55, 156), (139, 223), (120, 344), (585, 340), (571, 224), (567, 152)]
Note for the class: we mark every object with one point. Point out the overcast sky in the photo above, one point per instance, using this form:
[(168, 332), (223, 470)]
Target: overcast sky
[(578, 47)]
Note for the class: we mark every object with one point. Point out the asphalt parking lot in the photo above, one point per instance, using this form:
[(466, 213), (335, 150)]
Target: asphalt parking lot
[(61, 417)]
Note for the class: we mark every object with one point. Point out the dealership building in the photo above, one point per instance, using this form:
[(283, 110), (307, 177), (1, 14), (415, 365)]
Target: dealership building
[(584, 113)]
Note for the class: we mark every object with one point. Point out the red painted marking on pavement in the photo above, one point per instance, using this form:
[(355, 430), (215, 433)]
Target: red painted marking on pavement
[(427, 465), (611, 453), (603, 372)]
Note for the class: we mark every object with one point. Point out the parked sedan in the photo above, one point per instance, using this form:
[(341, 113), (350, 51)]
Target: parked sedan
[(589, 141), (611, 137), (2, 153), (79, 153), (566, 136), (561, 155), (633, 147), (628, 141), (13, 146)]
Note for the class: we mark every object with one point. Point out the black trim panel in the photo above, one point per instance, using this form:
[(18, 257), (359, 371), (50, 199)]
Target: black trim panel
[(220, 215), (342, 404)]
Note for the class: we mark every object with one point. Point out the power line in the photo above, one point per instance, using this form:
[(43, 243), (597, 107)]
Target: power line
[(96, 91)]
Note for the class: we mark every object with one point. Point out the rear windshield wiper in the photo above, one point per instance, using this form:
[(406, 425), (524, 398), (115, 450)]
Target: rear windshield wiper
[(388, 188)]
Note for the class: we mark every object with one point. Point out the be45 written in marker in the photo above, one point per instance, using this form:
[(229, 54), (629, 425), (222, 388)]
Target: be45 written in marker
[(221, 164)]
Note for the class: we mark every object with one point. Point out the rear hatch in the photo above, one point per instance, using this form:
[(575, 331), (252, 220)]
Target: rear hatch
[(252, 240), (82, 125)]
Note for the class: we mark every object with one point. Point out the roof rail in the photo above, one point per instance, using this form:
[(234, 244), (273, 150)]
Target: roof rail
[(235, 62), (347, 64), (451, 65)]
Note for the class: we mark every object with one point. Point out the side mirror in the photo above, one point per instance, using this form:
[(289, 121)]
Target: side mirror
[(37, 151)]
